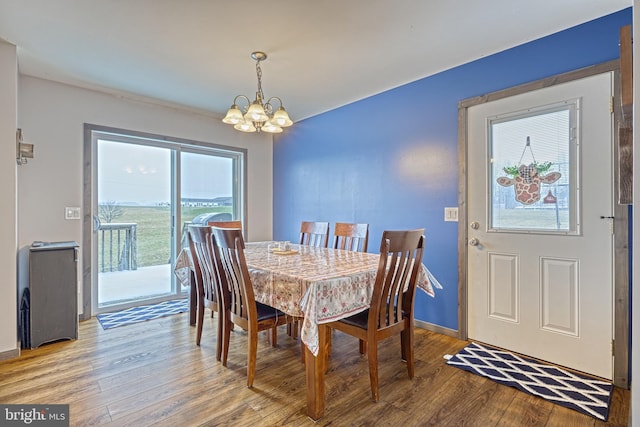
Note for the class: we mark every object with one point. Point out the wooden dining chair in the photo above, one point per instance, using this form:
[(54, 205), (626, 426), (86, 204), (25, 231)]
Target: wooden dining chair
[(351, 237), (206, 280), (238, 298), (391, 310), (314, 234)]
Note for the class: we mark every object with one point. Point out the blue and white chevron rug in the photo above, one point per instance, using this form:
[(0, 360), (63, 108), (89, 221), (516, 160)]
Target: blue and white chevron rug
[(582, 393), (142, 313)]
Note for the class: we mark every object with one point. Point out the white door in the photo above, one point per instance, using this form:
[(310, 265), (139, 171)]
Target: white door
[(540, 255)]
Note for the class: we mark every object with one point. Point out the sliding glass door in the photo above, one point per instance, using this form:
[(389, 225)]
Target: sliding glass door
[(145, 193), (134, 223)]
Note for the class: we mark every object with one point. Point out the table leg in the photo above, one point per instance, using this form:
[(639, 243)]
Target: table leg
[(315, 367), (193, 298)]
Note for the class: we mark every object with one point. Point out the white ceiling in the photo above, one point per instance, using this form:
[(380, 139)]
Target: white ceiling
[(322, 54)]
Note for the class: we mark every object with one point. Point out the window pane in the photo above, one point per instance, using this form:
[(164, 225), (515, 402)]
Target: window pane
[(530, 173), (134, 236), (207, 191)]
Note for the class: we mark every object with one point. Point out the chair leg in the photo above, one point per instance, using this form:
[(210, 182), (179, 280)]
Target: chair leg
[(226, 337), (293, 327), (220, 337), (297, 326), (199, 321), (363, 347), (406, 341), (274, 336), (372, 355), (252, 355), (328, 348)]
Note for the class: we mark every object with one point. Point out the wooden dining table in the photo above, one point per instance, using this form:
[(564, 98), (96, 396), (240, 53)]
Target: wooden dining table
[(320, 285)]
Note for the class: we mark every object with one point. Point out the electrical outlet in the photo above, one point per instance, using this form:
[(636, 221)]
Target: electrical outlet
[(451, 214), (71, 213)]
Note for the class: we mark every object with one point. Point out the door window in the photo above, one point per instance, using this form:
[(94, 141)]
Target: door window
[(532, 174)]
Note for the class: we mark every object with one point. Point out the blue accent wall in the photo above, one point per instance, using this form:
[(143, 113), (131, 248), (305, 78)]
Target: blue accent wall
[(391, 160)]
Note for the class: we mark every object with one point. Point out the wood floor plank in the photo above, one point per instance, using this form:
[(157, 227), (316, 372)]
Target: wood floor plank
[(152, 373), (527, 410), (618, 410), (97, 417)]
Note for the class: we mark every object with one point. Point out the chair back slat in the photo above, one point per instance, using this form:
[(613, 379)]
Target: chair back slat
[(203, 262), (351, 237), (314, 234), (400, 259)]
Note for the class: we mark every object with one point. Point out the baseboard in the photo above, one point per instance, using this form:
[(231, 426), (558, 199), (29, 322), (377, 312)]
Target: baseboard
[(436, 328), (11, 354)]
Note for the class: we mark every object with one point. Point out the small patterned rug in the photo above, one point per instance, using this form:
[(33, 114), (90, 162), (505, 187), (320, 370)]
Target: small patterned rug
[(142, 313), (582, 393)]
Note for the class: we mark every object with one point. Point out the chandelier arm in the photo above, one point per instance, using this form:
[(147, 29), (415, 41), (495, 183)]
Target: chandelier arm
[(235, 101), (268, 108), (274, 97)]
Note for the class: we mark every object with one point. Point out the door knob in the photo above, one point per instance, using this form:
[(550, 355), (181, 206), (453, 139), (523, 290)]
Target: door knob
[(473, 242)]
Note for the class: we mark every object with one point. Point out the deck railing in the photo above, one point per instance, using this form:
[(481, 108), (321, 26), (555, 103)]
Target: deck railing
[(118, 247)]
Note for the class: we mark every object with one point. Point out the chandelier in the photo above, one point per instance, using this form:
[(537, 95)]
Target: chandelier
[(258, 116)]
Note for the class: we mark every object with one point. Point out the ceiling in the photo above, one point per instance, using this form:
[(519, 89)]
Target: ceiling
[(321, 54)]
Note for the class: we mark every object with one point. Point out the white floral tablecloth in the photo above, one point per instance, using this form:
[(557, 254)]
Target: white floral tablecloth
[(320, 284)]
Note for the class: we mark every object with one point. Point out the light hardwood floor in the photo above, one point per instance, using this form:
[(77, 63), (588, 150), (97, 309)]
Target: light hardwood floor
[(152, 373)]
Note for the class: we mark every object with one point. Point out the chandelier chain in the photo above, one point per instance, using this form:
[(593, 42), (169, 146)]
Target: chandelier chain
[(259, 73)]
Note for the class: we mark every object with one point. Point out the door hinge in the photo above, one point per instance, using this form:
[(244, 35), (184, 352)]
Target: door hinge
[(611, 105), (613, 347)]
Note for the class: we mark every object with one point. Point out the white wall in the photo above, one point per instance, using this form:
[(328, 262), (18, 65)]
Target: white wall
[(8, 293), (52, 117)]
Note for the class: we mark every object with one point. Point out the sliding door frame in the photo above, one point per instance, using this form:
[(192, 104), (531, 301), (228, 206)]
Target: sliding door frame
[(179, 145)]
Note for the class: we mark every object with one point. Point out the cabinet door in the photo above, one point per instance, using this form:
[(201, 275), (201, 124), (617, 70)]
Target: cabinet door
[(53, 288)]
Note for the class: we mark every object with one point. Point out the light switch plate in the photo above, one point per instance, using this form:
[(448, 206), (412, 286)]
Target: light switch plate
[(451, 214), (71, 213)]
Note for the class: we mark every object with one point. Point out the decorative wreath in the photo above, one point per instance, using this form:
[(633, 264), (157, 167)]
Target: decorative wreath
[(514, 171)]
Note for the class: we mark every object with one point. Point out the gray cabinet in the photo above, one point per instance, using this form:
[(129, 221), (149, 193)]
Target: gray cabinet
[(53, 289)]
